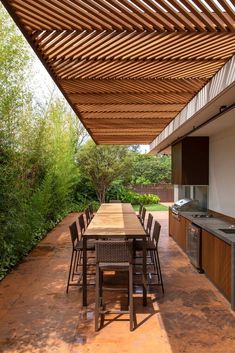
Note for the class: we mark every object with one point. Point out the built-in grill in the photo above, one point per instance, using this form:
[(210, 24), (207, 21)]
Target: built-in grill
[(185, 205)]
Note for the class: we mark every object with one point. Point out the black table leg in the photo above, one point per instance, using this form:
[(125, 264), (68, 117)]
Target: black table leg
[(84, 273)]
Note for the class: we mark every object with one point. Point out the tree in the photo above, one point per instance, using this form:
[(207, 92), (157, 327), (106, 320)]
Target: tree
[(151, 169), (103, 164)]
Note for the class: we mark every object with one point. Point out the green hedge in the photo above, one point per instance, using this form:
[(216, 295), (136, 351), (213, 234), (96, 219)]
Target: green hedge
[(133, 197), (37, 181)]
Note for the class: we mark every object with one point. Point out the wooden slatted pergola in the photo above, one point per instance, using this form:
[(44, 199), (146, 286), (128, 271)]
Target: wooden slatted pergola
[(127, 67)]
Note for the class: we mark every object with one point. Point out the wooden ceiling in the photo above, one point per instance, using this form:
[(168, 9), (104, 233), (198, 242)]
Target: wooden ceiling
[(127, 67)]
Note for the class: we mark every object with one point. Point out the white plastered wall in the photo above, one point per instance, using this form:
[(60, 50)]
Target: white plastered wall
[(222, 172)]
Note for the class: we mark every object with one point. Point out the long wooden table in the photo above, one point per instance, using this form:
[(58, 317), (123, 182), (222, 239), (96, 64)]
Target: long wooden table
[(114, 221), (115, 208)]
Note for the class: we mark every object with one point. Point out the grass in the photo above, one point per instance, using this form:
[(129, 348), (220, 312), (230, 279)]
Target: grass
[(152, 207)]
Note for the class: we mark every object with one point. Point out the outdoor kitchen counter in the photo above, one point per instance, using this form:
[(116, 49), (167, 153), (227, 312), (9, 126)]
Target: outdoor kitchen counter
[(212, 225)]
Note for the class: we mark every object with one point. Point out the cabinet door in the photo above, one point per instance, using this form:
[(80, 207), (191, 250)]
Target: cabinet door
[(223, 267), (190, 161), (171, 224), (182, 233), (177, 229), (216, 262), (208, 254)]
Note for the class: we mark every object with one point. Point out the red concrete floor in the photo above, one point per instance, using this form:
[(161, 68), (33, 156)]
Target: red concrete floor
[(37, 316)]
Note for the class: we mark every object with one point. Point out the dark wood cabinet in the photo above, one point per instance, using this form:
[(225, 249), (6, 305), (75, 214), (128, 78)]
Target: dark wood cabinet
[(216, 262), (177, 229), (190, 161), (216, 254)]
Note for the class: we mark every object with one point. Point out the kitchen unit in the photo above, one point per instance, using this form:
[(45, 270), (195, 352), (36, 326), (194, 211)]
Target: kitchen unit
[(216, 262), (190, 161), (179, 224), (216, 250), (177, 229)]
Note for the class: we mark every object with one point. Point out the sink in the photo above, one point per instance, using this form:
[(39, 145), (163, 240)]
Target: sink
[(227, 230)]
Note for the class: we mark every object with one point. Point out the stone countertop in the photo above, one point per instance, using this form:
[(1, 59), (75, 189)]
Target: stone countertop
[(212, 225)]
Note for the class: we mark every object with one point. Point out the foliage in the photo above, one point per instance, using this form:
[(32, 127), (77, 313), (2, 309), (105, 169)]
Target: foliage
[(130, 196), (141, 180), (37, 182), (102, 164), (38, 170), (151, 169), (82, 202)]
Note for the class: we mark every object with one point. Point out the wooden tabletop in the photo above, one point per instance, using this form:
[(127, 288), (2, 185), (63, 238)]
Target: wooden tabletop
[(107, 224), (113, 221), (115, 208)]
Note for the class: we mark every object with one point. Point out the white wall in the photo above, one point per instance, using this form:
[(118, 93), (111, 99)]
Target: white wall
[(222, 172)]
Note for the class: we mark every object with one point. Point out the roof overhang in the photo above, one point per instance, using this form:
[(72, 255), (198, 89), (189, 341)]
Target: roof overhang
[(128, 67), (211, 103)]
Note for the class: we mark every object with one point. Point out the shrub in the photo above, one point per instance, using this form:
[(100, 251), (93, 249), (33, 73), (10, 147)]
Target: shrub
[(133, 197), (147, 199), (82, 202)]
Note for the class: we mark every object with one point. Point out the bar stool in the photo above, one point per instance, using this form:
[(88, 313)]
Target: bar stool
[(88, 215), (91, 211), (113, 255), (140, 211), (138, 244), (75, 256), (149, 224), (81, 223), (142, 216), (152, 248), (90, 243)]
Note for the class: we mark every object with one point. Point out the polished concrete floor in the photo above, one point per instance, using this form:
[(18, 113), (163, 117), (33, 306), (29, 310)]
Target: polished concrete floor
[(36, 315)]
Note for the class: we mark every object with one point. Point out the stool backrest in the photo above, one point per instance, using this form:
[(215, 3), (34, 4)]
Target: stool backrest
[(114, 251), (74, 233), (156, 232), (81, 224), (143, 215), (140, 210), (91, 210), (149, 224), (88, 216)]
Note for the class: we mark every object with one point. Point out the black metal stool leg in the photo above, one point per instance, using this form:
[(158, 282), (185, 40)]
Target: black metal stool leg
[(97, 298), (70, 269)]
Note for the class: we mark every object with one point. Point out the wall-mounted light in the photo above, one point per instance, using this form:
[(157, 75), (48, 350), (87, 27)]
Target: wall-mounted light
[(222, 108)]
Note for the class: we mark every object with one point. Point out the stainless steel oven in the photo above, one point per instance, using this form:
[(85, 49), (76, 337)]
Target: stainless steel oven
[(193, 246)]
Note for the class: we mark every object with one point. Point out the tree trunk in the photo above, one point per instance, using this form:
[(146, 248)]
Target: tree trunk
[(101, 196)]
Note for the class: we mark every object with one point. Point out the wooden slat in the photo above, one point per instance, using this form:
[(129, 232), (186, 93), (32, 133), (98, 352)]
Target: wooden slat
[(129, 115), (129, 107), (130, 98), (124, 14), (131, 86), (99, 45), (141, 69), (128, 67), (118, 125)]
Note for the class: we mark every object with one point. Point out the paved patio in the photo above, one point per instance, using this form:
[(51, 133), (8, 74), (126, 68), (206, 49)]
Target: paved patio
[(36, 315)]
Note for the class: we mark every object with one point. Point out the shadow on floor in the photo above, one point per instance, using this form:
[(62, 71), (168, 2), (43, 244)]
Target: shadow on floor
[(38, 316)]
